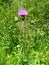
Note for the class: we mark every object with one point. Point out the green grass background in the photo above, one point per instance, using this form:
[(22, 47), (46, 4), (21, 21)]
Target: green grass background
[(33, 47)]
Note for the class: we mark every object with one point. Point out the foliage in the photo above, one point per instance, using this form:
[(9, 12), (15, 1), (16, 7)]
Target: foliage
[(30, 47)]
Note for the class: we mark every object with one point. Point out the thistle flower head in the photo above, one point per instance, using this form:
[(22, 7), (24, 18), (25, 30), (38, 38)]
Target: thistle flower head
[(22, 13)]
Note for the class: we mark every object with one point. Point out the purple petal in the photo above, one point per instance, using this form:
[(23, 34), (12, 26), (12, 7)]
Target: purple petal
[(22, 12)]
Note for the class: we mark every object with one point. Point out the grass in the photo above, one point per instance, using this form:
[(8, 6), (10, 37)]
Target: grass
[(30, 47)]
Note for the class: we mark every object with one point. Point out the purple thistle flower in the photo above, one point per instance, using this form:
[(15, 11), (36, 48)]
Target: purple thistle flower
[(22, 12)]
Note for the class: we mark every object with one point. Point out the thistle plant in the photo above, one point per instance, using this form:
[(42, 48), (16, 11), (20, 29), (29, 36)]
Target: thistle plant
[(23, 13)]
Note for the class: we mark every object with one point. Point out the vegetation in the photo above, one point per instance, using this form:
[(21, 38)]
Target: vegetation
[(30, 47)]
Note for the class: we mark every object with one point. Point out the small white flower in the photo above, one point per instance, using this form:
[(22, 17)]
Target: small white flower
[(16, 18), (18, 46)]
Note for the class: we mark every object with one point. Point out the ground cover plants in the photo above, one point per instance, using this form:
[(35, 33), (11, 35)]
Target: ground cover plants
[(24, 42)]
